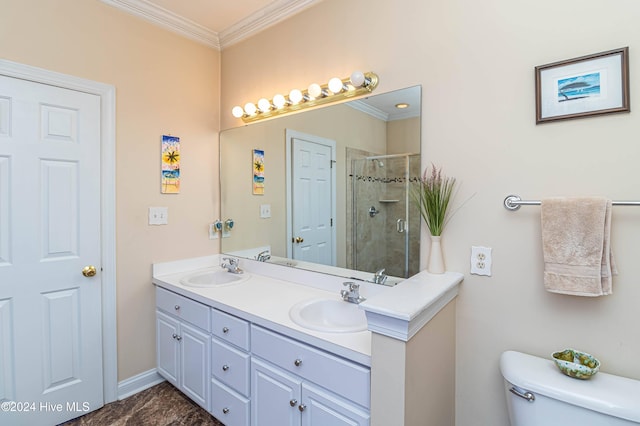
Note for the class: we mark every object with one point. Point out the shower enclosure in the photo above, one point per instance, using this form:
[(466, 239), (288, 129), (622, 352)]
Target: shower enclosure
[(385, 223)]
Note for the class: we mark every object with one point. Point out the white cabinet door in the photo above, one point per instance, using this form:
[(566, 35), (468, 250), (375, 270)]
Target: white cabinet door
[(275, 396), (323, 408), (167, 349), (194, 364), (183, 353)]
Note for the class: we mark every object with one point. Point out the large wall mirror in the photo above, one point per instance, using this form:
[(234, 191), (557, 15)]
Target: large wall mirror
[(336, 187)]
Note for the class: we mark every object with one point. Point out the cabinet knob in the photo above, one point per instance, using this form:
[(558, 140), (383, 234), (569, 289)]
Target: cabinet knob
[(225, 330), (302, 407), (293, 402), (174, 335), (225, 410), (225, 367), (178, 338), (297, 362), (177, 307)]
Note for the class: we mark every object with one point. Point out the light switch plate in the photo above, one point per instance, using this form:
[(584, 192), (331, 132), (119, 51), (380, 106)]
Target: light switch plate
[(265, 211), (158, 215)]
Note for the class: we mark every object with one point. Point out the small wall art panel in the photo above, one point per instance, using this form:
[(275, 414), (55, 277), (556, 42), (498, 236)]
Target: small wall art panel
[(258, 171), (170, 164)]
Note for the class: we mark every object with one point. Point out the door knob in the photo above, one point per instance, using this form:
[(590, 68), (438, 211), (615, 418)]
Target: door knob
[(89, 271), (298, 240)]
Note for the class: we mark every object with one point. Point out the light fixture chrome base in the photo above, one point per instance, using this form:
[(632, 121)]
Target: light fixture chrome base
[(348, 90)]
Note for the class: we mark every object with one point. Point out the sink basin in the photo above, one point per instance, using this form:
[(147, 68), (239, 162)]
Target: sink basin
[(213, 278), (329, 315)]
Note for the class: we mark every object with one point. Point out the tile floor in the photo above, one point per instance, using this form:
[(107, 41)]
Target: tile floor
[(160, 405)]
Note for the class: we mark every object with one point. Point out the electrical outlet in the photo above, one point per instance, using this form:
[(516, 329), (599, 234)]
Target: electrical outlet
[(158, 215), (481, 260)]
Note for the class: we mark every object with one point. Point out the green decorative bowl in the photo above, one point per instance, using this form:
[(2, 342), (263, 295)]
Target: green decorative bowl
[(576, 364)]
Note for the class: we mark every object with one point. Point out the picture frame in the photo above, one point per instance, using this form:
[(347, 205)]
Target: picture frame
[(257, 160), (583, 87)]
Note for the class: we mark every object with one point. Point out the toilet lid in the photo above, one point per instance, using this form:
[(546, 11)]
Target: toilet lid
[(605, 393)]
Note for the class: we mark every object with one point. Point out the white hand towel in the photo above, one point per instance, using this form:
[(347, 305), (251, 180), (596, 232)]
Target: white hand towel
[(576, 246)]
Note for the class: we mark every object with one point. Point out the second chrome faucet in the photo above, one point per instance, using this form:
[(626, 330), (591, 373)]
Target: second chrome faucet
[(351, 293)]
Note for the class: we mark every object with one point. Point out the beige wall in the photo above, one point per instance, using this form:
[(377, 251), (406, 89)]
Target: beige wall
[(403, 136), (475, 62), (164, 84)]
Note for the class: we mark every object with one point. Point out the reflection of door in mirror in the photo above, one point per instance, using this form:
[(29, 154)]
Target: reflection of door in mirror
[(312, 198)]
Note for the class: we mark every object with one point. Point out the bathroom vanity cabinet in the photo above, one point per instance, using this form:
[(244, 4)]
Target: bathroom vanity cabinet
[(183, 344), (245, 374), (236, 350)]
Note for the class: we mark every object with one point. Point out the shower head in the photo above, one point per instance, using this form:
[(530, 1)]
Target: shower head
[(378, 162)]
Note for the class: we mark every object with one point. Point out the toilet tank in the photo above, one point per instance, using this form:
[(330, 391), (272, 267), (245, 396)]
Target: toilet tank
[(603, 400)]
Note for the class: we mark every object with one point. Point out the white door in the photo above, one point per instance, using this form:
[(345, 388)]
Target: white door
[(312, 199), (50, 312)]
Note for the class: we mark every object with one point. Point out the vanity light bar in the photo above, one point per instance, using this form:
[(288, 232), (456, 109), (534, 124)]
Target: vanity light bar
[(336, 89)]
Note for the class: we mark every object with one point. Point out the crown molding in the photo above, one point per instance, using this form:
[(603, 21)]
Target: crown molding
[(168, 20), (368, 109), (380, 114), (275, 12)]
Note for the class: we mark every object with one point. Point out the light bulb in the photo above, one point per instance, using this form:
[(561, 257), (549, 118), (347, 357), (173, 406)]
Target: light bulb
[(279, 101), (237, 111), (335, 85), (315, 91), (264, 105), (295, 96), (357, 78), (250, 108)]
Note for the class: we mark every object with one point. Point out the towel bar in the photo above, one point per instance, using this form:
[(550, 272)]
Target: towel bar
[(513, 202)]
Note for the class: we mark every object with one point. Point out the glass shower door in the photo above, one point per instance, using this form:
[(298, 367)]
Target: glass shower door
[(385, 230)]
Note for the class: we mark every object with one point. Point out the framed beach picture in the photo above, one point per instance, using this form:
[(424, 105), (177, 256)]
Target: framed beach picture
[(170, 173), (257, 156), (582, 87)]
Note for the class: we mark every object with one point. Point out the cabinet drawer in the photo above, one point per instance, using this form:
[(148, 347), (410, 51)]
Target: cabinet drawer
[(186, 309), (230, 366), (230, 329), (343, 377), (227, 406)]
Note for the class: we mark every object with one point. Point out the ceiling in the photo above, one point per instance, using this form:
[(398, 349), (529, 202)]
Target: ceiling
[(216, 23)]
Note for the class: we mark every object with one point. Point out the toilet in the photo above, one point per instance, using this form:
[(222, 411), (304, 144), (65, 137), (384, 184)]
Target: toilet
[(538, 394)]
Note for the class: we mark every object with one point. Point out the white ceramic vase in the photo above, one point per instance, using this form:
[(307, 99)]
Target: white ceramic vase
[(436, 260)]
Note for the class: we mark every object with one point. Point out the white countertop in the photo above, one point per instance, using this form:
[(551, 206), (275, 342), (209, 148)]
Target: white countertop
[(267, 296)]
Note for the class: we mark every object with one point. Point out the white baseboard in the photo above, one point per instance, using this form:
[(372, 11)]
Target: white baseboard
[(138, 383)]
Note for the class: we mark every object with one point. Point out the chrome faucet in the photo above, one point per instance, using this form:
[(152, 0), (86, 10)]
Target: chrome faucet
[(352, 295), (380, 277), (232, 266), (263, 256)]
